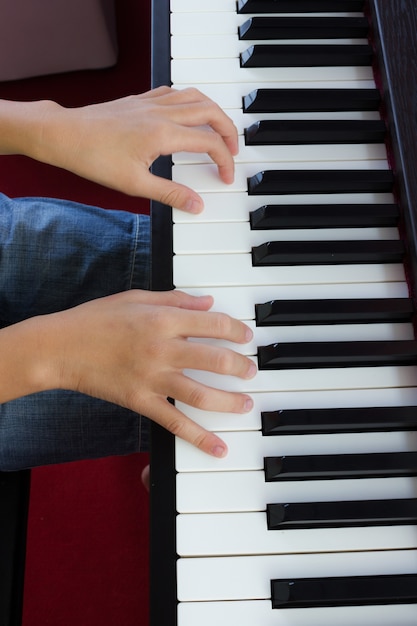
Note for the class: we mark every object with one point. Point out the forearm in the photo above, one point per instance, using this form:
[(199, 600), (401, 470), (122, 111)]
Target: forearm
[(23, 368), (22, 126)]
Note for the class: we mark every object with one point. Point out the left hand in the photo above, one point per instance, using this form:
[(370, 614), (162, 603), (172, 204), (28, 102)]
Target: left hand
[(114, 143)]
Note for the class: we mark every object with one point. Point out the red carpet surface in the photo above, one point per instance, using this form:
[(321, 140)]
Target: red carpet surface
[(87, 556)]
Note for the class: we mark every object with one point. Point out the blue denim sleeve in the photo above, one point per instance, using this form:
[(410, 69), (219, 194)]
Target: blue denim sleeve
[(55, 254)]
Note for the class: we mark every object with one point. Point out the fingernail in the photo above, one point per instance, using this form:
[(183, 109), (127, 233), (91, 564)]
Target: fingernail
[(249, 335), (193, 206), (251, 371), (219, 451), (248, 406)]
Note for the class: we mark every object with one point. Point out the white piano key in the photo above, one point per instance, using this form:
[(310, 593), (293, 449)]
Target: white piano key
[(239, 301), (229, 96), (205, 23), (218, 46), (248, 449), (250, 612), (238, 238), (290, 153), (235, 207), (187, 6), (205, 177), (207, 270), (232, 534), (277, 400), (221, 492), (245, 577), (200, 71)]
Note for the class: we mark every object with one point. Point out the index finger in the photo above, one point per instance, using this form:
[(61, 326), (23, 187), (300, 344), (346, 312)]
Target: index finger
[(212, 325)]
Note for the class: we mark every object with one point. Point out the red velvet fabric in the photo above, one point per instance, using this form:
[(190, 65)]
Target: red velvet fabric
[(87, 554)]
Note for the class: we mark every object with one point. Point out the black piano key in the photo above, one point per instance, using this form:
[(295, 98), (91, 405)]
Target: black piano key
[(304, 28), (306, 55), (340, 466), (279, 253), (303, 132), (340, 420), (293, 216), (278, 182), (298, 6), (341, 514), (318, 354), (307, 100), (349, 311), (343, 591)]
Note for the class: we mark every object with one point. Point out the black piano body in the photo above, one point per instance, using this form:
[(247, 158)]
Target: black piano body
[(393, 35), (14, 506)]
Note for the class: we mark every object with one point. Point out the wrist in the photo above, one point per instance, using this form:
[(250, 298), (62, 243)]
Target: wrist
[(23, 126), (27, 359)]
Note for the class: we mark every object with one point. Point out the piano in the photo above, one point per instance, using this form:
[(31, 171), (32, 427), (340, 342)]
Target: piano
[(311, 518)]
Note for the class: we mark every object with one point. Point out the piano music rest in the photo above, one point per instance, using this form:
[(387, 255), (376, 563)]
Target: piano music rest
[(214, 560), (14, 505)]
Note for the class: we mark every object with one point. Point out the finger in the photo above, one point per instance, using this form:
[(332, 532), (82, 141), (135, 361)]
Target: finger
[(181, 426), (145, 477), (212, 325), (172, 194), (197, 139), (200, 356), (205, 398)]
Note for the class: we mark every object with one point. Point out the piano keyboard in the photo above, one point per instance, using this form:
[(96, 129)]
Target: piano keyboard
[(304, 247)]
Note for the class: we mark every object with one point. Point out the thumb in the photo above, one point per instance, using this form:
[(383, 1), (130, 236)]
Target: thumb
[(173, 194)]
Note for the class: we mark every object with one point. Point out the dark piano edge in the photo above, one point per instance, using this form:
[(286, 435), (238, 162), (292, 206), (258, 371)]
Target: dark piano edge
[(163, 601), (397, 78), (14, 496), (163, 587)]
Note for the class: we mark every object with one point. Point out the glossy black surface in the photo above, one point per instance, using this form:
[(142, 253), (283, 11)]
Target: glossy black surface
[(304, 28), (298, 6), (306, 55), (337, 466), (338, 420), (327, 252), (349, 311), (278, 182), (272, 216), (347, 514), (304, 132), (344, 591), (316, 354), (285, 100)]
